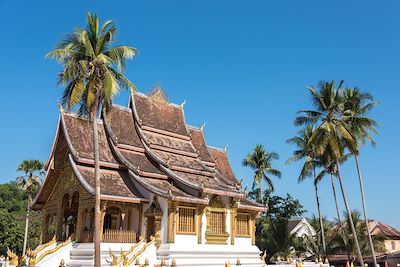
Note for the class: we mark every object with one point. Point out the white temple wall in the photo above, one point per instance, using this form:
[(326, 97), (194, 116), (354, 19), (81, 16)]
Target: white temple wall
[(186, 239), (243, 241)]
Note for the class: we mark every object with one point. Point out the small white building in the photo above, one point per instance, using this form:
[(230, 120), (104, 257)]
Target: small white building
[(301, 227)]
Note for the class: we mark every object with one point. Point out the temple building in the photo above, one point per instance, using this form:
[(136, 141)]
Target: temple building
[(159, 181)]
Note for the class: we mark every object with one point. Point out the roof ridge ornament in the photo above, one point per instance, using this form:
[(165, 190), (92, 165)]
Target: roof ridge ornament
[(158, 96), (202, 127), (183, 104), (60, 106), (226, 148)]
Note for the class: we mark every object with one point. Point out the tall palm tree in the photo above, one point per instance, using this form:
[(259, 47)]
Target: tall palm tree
[(92, 76), (29, 182), (332, 133), (356, 105), (260, 161), (307, 152)]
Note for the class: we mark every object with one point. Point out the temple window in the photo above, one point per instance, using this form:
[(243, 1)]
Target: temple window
[(242, 224), (186, 220), (217, 222)]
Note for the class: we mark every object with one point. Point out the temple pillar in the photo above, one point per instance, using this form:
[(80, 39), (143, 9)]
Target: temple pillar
[(140, 214), (200, 212), (80, 222), (45, 228), (122, 222), (171, 222), (233, 212), (103, 209), (157, 230), (253, 228)]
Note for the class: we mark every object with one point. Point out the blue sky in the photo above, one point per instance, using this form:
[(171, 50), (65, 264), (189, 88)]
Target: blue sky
[(242, 67)]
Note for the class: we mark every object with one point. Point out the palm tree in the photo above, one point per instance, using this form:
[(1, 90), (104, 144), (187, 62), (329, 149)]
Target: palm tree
[(306, 152), (260, 161), (332, 133), (344, 241), (91, 81), (356, 105), (29, 182)]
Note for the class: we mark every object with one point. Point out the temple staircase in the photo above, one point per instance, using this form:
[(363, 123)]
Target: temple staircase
[(209, 255)]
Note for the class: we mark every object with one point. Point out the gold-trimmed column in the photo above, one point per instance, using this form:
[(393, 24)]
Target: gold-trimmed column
[(171, 222), (200, 212), (102, 215), (253, 228), (233, 224)]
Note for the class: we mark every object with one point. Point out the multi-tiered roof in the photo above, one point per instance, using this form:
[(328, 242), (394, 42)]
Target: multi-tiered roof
[(149, 146)]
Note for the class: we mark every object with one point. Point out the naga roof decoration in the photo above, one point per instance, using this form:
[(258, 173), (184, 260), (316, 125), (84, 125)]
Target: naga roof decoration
[(147, 145)]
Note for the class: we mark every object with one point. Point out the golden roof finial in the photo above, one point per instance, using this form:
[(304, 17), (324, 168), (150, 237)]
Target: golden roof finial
[(60, 106)]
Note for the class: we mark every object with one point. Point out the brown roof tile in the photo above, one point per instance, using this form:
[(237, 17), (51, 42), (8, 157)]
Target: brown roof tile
[(200, 144), (163, 116), (80, 133), (113, 183), (222, 163), (123, 127)]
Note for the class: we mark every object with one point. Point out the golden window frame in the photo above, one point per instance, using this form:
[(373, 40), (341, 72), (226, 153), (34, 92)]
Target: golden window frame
[(193, 223), (240, 223)]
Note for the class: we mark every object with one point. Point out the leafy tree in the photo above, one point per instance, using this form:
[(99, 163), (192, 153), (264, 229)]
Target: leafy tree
[(12, 219), (269, 224), (333, 133), (91, 82), (260, 161), (29, 183)]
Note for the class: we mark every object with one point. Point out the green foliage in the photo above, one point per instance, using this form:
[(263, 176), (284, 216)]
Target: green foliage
[(272, 234), (12, 219), (284, 207), (92, 69)]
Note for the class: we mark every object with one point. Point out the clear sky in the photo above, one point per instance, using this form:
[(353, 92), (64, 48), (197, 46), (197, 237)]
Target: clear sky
[(242, 67)]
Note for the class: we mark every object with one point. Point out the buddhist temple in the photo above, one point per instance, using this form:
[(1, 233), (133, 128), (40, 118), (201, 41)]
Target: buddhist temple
[(160, 184)]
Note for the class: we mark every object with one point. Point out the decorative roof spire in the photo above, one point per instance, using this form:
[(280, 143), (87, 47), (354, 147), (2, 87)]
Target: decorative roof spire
[(60, 106), (183, 104), (202, 126), (226, 148), (157, 95)]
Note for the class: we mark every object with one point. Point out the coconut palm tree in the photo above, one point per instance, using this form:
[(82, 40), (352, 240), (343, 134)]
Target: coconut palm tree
[(29, 182), (260, 161), (92, 76), (345, 242), (332, 133), (306, 152), (356, 105)]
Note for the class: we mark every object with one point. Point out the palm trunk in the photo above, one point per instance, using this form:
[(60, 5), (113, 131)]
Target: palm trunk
[(336, 201), (319, 214), (338, 216), (26, 227), (353, 230), (360, 179), (97, 232)]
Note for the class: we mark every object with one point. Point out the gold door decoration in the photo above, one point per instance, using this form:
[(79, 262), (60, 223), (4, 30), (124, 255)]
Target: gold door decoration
[(154, 212), (216, 222)]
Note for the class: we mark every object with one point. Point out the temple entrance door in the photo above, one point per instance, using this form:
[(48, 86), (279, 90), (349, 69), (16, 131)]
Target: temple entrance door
[(150, 229)]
